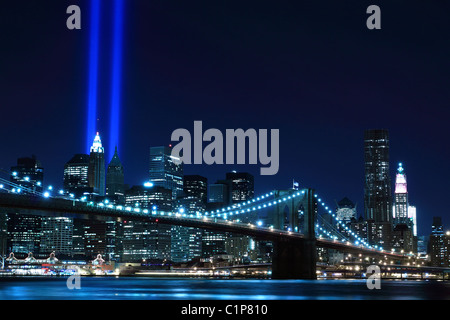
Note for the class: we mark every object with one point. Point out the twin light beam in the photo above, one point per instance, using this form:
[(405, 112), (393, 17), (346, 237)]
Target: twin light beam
[(116, 66)]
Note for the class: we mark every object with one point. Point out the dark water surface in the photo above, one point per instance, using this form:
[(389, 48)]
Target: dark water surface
[(99, 288)]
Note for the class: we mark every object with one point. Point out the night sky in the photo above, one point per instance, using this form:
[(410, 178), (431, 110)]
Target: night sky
[(309, 68)]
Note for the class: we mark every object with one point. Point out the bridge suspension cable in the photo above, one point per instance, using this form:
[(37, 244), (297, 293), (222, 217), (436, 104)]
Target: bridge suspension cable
[(18, 188), (258, 203), (350, 232)]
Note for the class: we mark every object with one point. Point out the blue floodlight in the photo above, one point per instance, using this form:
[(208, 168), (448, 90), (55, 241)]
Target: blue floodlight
[(93, 72), (114, 125)]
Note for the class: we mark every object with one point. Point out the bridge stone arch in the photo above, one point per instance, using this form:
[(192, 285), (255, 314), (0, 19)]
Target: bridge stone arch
[(294, 259), (301, 215)]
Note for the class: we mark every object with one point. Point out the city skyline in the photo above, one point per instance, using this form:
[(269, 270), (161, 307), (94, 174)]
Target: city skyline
[(156, 178), (321, 136)]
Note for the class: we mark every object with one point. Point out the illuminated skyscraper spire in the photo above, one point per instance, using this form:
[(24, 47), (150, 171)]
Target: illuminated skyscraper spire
[(403, 212), (405, 224), (401, 196), (400, 180), (96, 170), (97, 145)]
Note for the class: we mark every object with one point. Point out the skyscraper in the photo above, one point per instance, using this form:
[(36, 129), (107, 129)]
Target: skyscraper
[(76, 175), (242, 186), (186, 242), (28, 174), (24, 231), (57, 235), (412, 217), (94, 238), (115, 180), (196, 186), (377, 189), (219, 193), (165, 172), (213, 243), (405, 229), (195, 195), (148, 197), (96, 170), (436, 243), (401, 197), (146, 240), (346, 210)]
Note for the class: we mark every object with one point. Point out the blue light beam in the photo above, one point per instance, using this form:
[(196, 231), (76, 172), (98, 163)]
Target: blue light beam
[(114, 126), (93, 73)]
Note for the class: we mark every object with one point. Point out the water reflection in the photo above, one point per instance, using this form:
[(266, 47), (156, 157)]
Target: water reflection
[(98, 288)]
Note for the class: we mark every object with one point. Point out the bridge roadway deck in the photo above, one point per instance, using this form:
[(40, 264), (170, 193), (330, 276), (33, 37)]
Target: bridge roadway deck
[(34, 205)]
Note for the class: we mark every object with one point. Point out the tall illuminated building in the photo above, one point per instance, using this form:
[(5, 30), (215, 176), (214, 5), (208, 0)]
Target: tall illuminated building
[(115, 186), (24, 231), (213, 243), (242, 186), (412, 216), (437, 243), (164, 170), (28, 174), (149, 197), (220, 194), (401, 197), (405, 223), (57, 235), (242, 190), (186, 242), (196, 186), (94, 238), (96, 170), (377, 188), (76, 175), (142, 240)]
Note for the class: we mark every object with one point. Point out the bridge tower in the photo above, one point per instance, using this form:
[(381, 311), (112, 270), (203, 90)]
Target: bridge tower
[(295, 259)]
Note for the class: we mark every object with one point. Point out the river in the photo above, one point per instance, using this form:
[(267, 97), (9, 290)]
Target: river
[(132, 288)]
